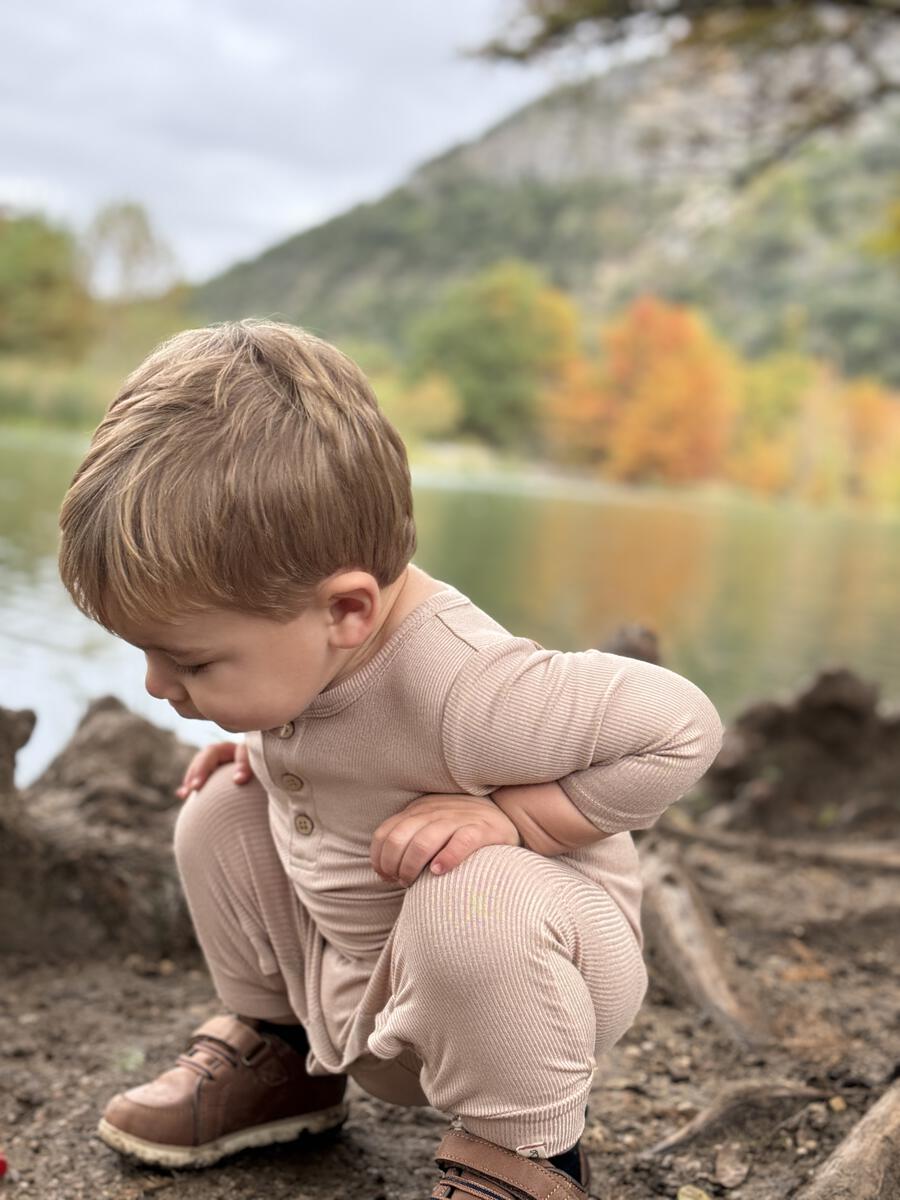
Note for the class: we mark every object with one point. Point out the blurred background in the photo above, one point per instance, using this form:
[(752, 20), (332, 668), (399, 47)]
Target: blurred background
[(629, 286)]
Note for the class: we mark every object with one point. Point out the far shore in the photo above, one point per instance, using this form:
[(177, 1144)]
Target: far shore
[(467, 465)]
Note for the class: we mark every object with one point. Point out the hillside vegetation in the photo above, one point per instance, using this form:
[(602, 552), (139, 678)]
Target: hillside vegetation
[(615, 187)]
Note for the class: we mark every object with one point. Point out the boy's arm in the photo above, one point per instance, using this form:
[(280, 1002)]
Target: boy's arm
[(547, 820), (620, 738)]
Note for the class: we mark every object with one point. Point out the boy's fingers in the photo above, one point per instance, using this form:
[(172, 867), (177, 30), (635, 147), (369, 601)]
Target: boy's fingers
[(389, 848), (465, 841), (421, 848), (203, 763), (242, 768), (376, 853)]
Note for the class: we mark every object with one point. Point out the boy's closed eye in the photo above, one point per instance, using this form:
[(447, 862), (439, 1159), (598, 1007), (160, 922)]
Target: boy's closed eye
[(191, 670)]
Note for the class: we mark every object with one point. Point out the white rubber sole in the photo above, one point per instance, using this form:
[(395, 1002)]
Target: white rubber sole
[(160, 1155)]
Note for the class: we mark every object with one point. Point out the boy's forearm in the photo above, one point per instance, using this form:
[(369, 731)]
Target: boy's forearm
[(548, 821)]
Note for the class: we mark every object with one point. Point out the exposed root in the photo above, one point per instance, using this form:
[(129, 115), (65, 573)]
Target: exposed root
[(866, 1165), (740, 1102), (685, 944)]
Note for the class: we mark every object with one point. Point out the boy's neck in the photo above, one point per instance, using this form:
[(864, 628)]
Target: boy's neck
[(398, 600)]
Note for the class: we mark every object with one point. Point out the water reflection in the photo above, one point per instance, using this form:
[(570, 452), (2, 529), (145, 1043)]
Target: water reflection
[(748, 599)]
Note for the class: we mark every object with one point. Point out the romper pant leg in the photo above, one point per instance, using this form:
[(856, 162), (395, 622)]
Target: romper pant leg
[(258, 939), (245, 914), (509, 976)]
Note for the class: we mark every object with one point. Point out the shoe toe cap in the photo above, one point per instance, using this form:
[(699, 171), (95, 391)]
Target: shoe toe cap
[(154, 1112)]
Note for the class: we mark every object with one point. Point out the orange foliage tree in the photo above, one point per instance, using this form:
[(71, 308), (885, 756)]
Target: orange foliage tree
[(664, 401), (574, 425)]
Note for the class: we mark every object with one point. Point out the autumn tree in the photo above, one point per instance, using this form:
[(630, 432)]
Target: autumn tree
[(500, 338), (667, 397), (575, 421)]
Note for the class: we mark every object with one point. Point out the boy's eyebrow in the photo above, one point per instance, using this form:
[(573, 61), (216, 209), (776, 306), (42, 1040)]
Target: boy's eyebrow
[(182, 652)]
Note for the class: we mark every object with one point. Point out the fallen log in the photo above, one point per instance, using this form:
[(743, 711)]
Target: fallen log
[(866, 1165), (684, 944)]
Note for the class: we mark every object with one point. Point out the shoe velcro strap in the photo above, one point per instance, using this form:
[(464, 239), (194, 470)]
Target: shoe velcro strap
[(453, 1185), (234, 1035), (530, 1176)]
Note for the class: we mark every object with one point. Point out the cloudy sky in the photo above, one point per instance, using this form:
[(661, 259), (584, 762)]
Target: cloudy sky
[(239, 122)]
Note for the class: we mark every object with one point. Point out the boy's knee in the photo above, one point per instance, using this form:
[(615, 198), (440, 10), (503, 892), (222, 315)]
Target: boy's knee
[(205, 815), (489, 893), (492, 877), (617, 1007)]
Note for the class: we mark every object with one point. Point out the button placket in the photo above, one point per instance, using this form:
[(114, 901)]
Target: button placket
[(298, 791), (303, 823)]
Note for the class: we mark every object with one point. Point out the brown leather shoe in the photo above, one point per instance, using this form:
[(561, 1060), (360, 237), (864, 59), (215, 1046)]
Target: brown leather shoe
[(473, 1166), (232, 1088)]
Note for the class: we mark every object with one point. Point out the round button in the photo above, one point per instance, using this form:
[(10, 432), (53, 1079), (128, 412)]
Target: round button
[(286, 730), (293, 783), (303, 823)]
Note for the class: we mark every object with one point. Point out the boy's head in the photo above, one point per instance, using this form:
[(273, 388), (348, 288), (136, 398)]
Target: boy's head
[(239, 467)]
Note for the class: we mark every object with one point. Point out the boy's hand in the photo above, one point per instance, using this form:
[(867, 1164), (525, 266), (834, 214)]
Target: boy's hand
[(440, 829), (206, 760)]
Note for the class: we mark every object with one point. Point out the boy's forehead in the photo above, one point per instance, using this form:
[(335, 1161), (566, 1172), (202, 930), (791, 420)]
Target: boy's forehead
[(188, 635), (180, 647), (193, 633)]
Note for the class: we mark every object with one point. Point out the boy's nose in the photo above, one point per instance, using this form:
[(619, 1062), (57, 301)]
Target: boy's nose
[(163, 685)]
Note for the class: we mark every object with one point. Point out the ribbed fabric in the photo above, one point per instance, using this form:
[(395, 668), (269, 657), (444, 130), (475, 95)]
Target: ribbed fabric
[(490, 991)]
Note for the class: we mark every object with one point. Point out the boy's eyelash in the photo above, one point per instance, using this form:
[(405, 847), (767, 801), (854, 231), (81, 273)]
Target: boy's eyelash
[(190, 670)]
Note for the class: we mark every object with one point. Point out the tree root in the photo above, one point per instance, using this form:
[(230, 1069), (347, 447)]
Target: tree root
[(684, 942), (866, 1165), (872, 856), (742, 1100)]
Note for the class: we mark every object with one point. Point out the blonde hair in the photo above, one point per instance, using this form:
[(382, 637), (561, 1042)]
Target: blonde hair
[(238, 467)]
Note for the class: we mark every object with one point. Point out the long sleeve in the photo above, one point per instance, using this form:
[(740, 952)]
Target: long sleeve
[(623, 738)]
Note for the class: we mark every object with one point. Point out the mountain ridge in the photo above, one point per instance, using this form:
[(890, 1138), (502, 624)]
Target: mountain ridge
[(613, 185)]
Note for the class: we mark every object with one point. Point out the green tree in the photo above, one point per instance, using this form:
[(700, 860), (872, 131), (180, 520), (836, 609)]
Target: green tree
[(45, 307), (500, 338)]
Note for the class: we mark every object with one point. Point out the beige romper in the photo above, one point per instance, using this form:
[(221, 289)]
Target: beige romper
[(488, 992)]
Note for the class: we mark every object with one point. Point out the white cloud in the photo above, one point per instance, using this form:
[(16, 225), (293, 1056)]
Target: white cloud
[(237, 122)]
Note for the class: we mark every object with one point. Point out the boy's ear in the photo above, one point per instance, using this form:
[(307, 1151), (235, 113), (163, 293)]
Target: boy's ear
[(351, 602)]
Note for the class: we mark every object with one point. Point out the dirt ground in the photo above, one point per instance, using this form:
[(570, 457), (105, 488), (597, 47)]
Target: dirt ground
[(816, 947), (821, 945)]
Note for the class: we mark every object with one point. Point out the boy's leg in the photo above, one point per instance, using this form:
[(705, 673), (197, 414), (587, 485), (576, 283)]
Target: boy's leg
[(237, 1085), (511, 974), (245, 914)]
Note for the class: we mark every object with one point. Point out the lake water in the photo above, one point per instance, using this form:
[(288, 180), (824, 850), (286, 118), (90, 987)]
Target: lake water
[(749, 599)]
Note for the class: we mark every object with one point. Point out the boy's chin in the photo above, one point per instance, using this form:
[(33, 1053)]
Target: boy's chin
[(193, 715), (241, 728)]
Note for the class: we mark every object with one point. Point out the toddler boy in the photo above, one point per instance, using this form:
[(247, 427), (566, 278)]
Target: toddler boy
[(425, 878)]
